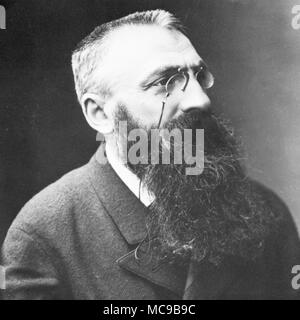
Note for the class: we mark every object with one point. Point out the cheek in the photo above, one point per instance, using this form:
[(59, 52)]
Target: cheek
[(146, 108), (170, 111), (150, 115)]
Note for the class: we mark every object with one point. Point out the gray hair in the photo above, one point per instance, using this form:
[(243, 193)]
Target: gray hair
[(90, 51)]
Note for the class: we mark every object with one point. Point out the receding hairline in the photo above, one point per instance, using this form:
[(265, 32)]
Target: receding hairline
[(168, 21), (91, 51)]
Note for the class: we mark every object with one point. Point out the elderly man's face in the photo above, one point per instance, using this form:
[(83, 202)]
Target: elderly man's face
[(139, 56)]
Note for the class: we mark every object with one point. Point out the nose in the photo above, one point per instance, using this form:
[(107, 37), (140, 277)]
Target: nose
[(194, 97)]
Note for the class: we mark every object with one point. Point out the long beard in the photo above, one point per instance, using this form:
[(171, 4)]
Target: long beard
[(208, 216)]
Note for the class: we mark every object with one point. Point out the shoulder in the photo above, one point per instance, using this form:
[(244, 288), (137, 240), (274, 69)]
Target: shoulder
[(288, 233), (55, 206), (271, 198)]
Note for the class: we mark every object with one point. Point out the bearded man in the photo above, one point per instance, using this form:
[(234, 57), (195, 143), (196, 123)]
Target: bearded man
[(127, 229)]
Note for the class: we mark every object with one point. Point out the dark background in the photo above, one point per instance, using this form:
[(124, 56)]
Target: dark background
[(250, 46)]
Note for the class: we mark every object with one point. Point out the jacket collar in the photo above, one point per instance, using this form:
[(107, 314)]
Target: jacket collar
[(129, 215), (127, 212), (128, 177)]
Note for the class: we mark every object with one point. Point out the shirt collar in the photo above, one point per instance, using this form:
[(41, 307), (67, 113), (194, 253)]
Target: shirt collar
[(128, 177)]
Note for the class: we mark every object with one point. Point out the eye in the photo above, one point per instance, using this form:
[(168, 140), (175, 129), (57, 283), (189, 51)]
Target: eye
[(200, 74), (204, 77), (161, 82)]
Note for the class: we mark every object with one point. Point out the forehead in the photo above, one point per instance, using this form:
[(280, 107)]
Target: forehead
[(134, 51)]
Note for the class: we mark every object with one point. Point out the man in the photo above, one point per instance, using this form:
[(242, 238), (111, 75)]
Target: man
[(127, 229)]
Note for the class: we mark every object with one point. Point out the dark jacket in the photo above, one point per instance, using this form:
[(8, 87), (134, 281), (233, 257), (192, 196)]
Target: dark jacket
[(76, 240)]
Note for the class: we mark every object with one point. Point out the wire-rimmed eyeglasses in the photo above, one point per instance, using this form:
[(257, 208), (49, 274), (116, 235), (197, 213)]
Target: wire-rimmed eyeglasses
[(180, 80)]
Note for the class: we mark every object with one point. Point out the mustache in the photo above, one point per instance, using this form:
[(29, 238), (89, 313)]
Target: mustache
[(219, 139), (223, 150), (218, 133)]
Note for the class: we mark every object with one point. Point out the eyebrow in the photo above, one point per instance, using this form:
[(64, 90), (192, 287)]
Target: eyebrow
[(169, 69)]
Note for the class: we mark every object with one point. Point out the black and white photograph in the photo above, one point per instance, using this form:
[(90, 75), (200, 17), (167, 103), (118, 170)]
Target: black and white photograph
[(150, 150)]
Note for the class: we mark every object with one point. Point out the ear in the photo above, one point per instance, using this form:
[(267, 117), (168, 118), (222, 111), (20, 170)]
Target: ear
[(93, 110)]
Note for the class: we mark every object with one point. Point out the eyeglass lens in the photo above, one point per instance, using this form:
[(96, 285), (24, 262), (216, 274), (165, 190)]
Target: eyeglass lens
[(179, 81), (205, 78)]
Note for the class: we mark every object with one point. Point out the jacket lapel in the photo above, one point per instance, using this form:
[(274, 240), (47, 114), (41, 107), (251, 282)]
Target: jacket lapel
[(142, 263), (129, 215)]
